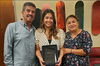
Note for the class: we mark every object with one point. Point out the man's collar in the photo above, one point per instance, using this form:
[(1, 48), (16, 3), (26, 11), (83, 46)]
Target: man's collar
[(25, 25)]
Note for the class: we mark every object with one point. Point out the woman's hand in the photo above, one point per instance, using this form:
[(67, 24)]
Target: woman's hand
[(60, 57), (67, 50), (41, 62), (39, 56), (59, 61)]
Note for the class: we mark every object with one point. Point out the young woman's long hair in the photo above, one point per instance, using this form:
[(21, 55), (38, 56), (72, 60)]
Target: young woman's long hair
[(53, 30)]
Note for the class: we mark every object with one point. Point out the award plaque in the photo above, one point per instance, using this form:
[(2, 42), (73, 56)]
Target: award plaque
[(50, 54)]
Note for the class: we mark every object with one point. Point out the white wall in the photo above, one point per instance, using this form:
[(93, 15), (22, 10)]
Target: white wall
[(70, 9)]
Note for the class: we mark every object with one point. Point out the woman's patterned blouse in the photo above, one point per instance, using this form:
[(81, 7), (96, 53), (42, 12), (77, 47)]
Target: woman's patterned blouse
[(81, 41)]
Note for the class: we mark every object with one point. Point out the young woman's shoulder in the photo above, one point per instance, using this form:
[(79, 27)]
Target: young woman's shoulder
[(39, 30), (60, 30)]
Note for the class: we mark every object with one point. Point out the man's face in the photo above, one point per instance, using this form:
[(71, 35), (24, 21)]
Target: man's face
[(28, 14)]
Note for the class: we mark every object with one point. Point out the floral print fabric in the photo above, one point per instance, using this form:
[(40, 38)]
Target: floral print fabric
[(81, 41)]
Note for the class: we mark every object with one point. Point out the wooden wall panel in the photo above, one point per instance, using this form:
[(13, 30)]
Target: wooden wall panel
[(6, 16), (79, 12), (96, 18)]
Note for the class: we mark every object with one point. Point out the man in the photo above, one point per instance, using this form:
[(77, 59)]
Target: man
[(19, 42)]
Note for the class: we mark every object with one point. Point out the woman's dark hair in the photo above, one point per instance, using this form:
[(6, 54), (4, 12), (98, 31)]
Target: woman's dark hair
[(53, 30), (73, 17), (28, 4)]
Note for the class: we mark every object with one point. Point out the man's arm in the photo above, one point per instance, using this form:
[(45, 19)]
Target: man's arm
[(8, 40)]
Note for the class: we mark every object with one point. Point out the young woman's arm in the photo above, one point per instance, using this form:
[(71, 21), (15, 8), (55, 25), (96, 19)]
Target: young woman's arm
[(60, 58), (38, 54)]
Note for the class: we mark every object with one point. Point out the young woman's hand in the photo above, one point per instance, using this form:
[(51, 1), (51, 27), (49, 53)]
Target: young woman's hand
[(41, 62), (59, 61)]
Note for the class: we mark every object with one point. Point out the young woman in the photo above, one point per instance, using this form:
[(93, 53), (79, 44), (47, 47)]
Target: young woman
[(48, 34)]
